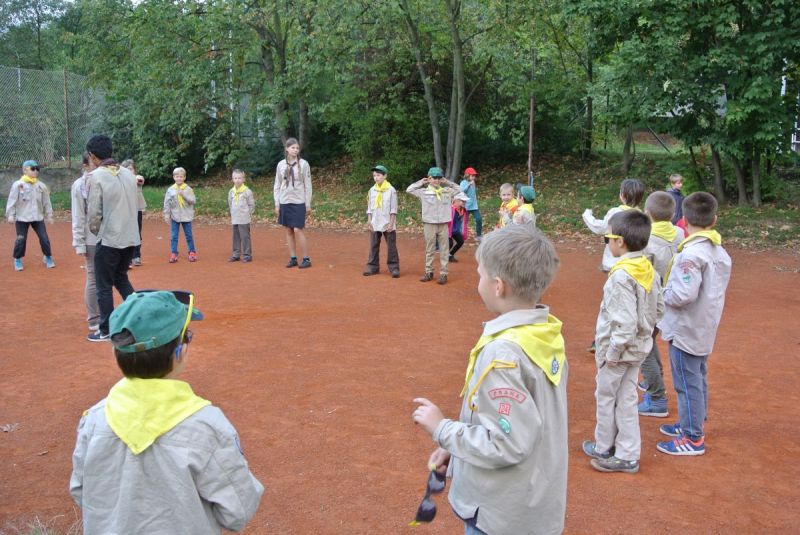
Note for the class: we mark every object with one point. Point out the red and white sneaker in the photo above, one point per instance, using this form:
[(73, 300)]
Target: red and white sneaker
[(173, 258), (192, 257)]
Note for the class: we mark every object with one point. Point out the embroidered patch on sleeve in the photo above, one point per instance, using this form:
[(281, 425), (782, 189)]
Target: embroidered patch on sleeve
[(505, 425), (504, 408), (509, 393)]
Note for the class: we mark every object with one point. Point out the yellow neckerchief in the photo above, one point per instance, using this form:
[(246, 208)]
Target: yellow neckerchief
[(178, 190), (141, 410), (236, 192), (638, 267), (510, 205), (437, 190), (527, 207), (625, 207), (541, 342), (29, 180), (712, 235), (664, 230), (384, 186)]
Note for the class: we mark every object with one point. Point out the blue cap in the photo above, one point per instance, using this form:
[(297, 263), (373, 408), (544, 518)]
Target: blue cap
[(435, 172), (30, 163)]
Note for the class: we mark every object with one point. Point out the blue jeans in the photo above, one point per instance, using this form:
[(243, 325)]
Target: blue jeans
[(690, 377), (476, 214), (187, 231)]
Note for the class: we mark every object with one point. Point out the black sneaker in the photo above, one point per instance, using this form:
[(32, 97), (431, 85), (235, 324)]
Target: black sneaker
[(442, 279), (612, 464), (292, 262), (426, 277), (396, 274), (97, 336), (233, 259), (368, 273), (306, 263), (453, 259)]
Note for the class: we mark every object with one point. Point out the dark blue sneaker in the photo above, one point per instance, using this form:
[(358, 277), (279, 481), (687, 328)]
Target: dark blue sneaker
[(653, 407), (589, 449), (642, 385), (683, 446), (671, 430)]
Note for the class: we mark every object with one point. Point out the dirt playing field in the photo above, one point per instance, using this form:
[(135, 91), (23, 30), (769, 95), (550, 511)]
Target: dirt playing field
[(317, 369)]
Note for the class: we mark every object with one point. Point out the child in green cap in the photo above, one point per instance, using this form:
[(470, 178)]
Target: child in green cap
[(382, 221)]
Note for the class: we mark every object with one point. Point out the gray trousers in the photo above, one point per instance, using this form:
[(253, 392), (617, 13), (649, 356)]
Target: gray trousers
[(617, 413), (432, 232), (653, 372), (90, 291), (392, 258), (241, 241)]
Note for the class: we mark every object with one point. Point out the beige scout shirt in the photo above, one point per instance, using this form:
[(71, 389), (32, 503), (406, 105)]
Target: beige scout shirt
[(695, 296), (516, 479), (29, 202), (600, 226), (435, 209), (660, 252), (292, 184), (79, 195), (193, 479), (172, 208), (241, 210), (112, 207), (628, 315), (141, 204), (380, 216)]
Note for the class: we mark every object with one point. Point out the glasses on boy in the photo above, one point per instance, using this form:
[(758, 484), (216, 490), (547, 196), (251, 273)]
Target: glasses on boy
[(609, 237)]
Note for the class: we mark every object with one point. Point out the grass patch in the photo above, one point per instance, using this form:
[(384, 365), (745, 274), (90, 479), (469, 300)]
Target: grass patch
[(565, 185)]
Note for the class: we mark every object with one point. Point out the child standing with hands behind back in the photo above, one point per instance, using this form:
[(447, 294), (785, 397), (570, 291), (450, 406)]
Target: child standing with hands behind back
[(242, 205), (382, 221), (179, 212), (507, 452)]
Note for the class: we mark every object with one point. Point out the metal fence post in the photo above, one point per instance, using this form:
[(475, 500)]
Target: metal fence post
[(66, 120)]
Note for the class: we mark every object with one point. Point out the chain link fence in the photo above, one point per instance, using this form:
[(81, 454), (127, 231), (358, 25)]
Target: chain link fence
[(46, 116)]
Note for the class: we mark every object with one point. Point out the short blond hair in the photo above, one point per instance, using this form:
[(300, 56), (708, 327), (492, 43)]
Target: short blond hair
[(179, 170), (522, 257), (675, 177), (506, 187), (239, 172)]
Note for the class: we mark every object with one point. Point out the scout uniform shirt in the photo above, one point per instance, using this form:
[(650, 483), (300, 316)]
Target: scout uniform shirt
[(600, 226), (435, 202), (662, 246), (242, 205), (112, 210), (81, 235), (293, 183), (509, 447), (179, 210), (380, 207), (29, 202)]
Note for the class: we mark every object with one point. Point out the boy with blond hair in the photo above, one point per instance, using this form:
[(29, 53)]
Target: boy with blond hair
[(242, 204), (507, 452), (631, 305), (436, 216), (508, 205), (382, 222), (694, 294), (674, 190), (661, 247), (28, 205), (179, 212)]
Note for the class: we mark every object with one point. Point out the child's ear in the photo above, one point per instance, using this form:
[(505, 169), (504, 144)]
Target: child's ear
[(500, 287)]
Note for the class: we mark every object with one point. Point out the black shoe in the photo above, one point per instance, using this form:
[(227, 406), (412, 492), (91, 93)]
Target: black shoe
[(426, 277), (442, 279), (453, 259), (233, 259), (396, 274), (306, 263), (368, 273), (292, 262)]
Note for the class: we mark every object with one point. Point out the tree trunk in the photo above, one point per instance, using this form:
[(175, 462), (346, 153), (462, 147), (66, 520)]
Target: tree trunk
[(741, 186), (302, 124), (279, 107), (699, 175), (459, 94), (719, 186), (627, 157), (755, 171), (427, 86), (588, 129)]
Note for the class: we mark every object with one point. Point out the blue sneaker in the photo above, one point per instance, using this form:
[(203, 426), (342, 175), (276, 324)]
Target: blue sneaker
[(613, 464), (653, 407), (642, 385), (683, 446), (97, 336), (48, 261), (671, 430), (590, 450), (18, 264)]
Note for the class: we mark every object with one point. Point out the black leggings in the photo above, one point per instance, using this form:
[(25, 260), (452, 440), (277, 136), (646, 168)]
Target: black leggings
[(456, 241)]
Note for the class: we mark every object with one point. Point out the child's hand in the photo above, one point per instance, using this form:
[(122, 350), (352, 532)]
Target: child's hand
[(370, 227), (11, 219), (49, 220), (439, 460), (427, 415)]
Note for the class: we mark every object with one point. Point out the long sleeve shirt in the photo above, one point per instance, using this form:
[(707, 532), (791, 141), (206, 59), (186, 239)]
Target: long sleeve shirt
[(293, 183), (29, 202), (243, 208), (435, 208), (112, 209), (600, 226), (79, 195), (172, 207), (380, 217)]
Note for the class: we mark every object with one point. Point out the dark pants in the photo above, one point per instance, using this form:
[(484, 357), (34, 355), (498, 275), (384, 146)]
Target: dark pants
[(242, 247), (392, 258), (111, 271), (476, 214), (137, 249), (456, 241), (690, 378), (22, 237), (653, 371)]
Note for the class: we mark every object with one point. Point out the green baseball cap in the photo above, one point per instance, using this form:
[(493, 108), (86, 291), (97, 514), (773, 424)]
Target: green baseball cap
[(153, 317), (29, 163), (528, 193), (435, 172), (381, 169)]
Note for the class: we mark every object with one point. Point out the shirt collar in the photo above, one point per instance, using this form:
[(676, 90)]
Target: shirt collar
[(515, 318)]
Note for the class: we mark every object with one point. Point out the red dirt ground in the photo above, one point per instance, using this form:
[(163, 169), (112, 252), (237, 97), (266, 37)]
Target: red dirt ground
[(317, 370)]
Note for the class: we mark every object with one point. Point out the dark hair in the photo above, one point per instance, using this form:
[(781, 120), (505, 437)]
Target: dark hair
[(631, 190), (150, 364), (633, 226), (660, 205), (100, 145), (85, 159), (700, 209)]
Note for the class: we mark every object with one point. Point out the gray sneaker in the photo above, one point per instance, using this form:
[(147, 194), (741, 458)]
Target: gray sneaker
[(590, 450), (612, 464)]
